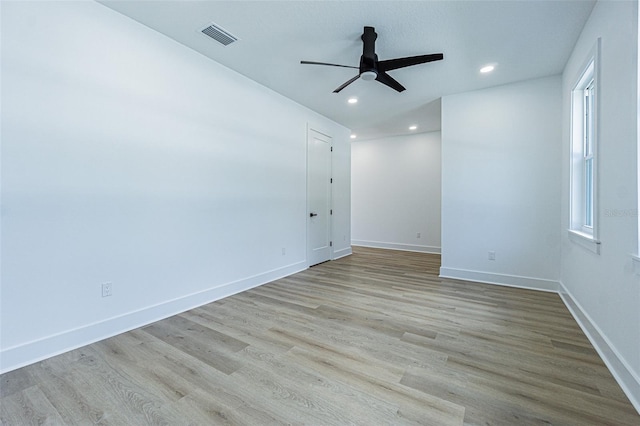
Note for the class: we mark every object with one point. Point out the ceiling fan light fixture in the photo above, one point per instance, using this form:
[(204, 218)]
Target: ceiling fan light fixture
[(414, 127), (372, 69), (352, 100), (369, 75), (353, 136)]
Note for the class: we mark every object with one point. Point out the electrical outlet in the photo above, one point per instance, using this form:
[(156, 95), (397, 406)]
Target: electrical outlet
[(492, 255), (418, 235), (107, 289), (284, 251)]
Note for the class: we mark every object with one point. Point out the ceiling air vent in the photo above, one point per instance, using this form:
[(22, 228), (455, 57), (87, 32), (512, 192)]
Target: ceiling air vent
[(218, 34)]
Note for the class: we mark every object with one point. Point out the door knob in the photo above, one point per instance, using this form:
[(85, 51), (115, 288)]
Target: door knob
[(313, 214)]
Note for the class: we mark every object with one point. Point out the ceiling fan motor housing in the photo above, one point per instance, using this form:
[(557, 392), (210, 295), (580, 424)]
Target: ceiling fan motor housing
[(369, 58)]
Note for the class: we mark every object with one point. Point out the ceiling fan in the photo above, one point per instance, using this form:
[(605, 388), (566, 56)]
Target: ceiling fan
[(370, 68)]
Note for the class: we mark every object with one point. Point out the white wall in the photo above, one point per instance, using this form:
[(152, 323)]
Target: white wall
[(341, 197), (396, 192), (500, 191), (129, 158), (602, 290)]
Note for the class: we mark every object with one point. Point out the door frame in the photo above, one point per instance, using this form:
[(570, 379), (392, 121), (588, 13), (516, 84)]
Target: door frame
[(320, 130)]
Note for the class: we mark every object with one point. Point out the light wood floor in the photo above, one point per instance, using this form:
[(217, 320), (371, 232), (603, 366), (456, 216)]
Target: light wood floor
[(372, 339)]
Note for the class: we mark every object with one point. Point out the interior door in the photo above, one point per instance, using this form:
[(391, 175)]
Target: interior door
[(318, 197)]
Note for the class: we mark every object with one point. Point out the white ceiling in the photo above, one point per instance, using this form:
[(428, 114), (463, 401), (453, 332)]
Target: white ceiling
[(524, 39)]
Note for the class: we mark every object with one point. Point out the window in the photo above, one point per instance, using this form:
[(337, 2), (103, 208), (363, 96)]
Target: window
[(584, 155), (587, 153)]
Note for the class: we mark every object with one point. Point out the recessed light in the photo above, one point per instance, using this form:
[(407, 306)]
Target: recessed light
[(487, 69), (353, 100), (353, 136), (413, 127)]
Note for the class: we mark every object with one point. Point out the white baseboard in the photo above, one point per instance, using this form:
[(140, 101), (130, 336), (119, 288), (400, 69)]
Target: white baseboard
[(619, 368), (396, 246), (28, 353), (337, 254), (501, 279)]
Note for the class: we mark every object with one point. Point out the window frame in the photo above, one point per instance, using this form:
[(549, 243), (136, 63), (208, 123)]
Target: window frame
[(583, 200), (588, 155)]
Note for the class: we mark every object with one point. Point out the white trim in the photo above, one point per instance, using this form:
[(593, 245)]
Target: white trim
[(584, 240), (619, 368), (310, 129), (396, 246), (337, 254), (589, 70), (24, 354), (501, 279)]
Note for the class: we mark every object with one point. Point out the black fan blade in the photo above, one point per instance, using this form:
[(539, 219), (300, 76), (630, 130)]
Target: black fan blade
[(387, 80), (346, 84), (325, 63), (394, 64)]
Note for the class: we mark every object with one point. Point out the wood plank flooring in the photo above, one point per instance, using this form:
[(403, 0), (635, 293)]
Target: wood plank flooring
[(375, 338)]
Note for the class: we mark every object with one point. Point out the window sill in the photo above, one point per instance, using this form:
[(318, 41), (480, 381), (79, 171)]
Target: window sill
[(636, 263), (585, 240)]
